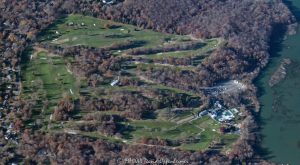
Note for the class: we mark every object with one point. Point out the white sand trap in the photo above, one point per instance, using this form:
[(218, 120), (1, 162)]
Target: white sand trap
[(74, 38), (68, 70), (61, 41)]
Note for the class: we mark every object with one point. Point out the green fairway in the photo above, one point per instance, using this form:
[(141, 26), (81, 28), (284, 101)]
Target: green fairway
[(208, 45), (48, 77), (83, 30), (203, 131), (100, 33)]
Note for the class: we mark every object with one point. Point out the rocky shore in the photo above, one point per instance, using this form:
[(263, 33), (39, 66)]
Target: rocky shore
[(280, 73)]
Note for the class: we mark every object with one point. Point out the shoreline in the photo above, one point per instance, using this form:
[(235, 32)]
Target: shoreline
[(276, 47), (228, 62)]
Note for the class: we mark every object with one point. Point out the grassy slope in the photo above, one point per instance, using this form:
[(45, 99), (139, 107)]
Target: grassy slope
[(47, 77), (56, 80), (98, 35), (204, 128), (94, 33)]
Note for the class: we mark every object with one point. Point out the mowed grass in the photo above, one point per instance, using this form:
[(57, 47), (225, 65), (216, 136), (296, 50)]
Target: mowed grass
[(204, 129), (210, 134), (47, 78), (208, 45), (95, 33)]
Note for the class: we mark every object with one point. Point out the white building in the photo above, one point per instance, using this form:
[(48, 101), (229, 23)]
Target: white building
[(226, 116), (115, 82), (234, 110), (108, 1)]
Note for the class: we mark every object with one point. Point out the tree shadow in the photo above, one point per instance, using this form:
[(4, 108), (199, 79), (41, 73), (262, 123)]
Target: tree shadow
[(295, 10), (276, 46), (45, 32), (125, 130), (25, 56)]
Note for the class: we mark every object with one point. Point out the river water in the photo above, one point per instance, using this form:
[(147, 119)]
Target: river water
[(280, 113)]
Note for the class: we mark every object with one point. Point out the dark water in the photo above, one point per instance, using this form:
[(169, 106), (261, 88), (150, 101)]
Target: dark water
[(280, 113)]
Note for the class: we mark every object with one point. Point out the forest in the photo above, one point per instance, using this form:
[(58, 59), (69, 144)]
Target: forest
[(246, 26)]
